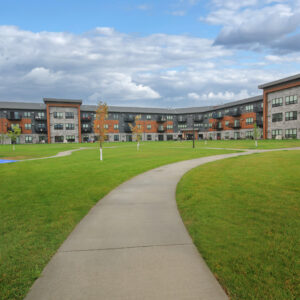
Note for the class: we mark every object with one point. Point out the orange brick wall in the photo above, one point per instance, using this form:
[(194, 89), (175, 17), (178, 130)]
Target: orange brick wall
[(4, 123)]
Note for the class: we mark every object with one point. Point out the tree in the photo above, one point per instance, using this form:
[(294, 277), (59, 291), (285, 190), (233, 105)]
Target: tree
[(14, 133), (256, 133), (99, 125), (137, 130)]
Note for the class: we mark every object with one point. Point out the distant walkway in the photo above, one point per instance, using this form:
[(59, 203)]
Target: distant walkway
[(133, 245)]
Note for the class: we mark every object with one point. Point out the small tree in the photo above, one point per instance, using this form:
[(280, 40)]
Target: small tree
[(99, 125), (137, 130), (256, 133), (14, 133)]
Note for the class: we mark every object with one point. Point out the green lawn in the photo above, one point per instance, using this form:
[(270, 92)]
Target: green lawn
[(41, 201), (244, 217)]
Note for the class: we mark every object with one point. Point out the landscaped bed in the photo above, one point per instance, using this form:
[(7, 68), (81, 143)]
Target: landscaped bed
[(244, 217)]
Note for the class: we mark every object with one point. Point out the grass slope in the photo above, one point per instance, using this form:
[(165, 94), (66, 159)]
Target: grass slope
[(41, 201), (243, 215)]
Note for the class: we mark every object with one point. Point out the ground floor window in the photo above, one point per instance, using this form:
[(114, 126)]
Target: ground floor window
[(42, 139), (70, 138), (116, 137), (226, 135), (236, 135), (59, 139), (149, 137), (249, 134), (169, 137), (85, 138), (28, 139), (291, 133), (276, 133)]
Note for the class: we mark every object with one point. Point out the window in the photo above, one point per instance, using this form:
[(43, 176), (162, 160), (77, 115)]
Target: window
[(210, 125), (226, 123), (291, 100), (149, 137), (28, 139), (276, 133), (28, 126), (249, 134), (70, 126), (27, 114), (237, 123), (86, 116), (149, 126), (69, 115), (105, 126), (116, 126), (59, 139), (210, 115), (139, 126), (181, 126), (249, 108), (58, 115), (277, 102), (249, 121), (115, 116), (291, 133), (291, 115), (148, 117), (169, 117), (277, 117), (40, 115), (236, 135), (226, 135), (116, 137), (169, 126), (70, 138), (85, 126), (226, 111), (58, 126)]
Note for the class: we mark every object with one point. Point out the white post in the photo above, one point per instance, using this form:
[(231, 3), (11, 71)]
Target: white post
[(255, 143), (138, 146), (101, 158)]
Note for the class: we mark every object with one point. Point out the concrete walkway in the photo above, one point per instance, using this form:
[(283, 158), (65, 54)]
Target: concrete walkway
[(133, 245)]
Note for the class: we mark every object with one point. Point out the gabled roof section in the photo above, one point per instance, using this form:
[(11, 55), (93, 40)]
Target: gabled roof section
[(280, 81)]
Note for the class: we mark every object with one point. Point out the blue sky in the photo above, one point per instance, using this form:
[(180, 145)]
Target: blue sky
[(146, 53)]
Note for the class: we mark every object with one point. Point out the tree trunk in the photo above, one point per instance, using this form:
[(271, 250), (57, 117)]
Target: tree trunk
[(101, 156)]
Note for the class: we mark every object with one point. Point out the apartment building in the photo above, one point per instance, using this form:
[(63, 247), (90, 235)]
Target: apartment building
[(275, 113)]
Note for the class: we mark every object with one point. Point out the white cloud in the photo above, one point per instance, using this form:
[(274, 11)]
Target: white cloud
[(193, 96)]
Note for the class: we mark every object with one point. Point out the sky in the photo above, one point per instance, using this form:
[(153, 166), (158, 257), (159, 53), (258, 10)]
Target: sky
[(167, 53)]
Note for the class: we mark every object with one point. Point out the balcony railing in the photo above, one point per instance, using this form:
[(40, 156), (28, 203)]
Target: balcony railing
[(41, 129), (219, 126), (129, 118), (259, 123), (160, 129), (14, 116), (161, 119), (86, 129), (181, 119), (40, 118), (198, 119), (217, 115), (258, 109), (86, 118), (127, 128), (234, 112)]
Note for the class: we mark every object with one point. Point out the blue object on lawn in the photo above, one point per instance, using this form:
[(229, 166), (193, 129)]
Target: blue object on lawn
[(5, 161)]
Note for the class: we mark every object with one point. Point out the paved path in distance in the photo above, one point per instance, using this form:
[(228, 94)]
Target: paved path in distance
[(133, 245)]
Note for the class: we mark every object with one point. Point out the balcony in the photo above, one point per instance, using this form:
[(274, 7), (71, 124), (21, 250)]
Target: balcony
[(11, 128), (259, 122), (217, 115), (161, 119), (181, 119), (129, 118), (40, 118), (219, 126), (86, 118), (86, 129), (235, 112), (14, 116), (198, 119), (258, 109), (41, 129), (127, 128), (160, 129)]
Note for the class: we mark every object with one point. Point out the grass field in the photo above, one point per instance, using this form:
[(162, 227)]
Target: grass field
[(243, 215), (43, 150), (41, 201)]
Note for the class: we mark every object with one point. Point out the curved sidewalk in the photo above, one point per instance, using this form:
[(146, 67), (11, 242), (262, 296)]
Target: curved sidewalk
[(132, 245)]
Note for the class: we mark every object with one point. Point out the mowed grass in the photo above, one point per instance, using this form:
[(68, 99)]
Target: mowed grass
[(243, 215), (41, 202)]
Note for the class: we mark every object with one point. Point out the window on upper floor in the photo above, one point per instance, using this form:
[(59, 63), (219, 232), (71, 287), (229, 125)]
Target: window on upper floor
[(69, 115), (290, 115), (291, 99), (85, 125), (149, 126), (105, 126), (58, 126), (115, 117), (27, 126), (249, 108), (116, 126), (169, 127), (70, 126), (277, 117), (249, 121), (27, 114), (169, 117), (277, 102), (148, 117), (58, 115)]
